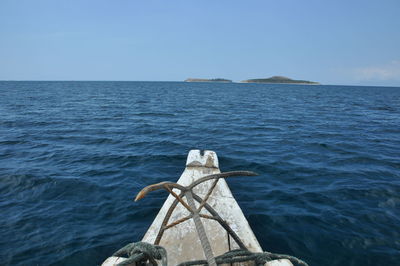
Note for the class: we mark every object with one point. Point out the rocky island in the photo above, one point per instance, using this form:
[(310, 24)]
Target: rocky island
[(207, 80), (279, 79)]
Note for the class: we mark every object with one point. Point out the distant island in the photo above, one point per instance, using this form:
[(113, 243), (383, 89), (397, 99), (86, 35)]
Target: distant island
[(279, 79), (274, 79), (207, 80)]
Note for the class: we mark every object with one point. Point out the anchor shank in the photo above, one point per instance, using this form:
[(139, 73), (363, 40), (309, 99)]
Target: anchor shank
[(201, 231)]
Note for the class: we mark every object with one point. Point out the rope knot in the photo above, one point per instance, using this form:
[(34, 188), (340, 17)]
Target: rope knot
[(142, 252)]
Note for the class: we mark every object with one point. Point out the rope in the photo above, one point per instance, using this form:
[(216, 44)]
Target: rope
[(239, 255), (141, 252)]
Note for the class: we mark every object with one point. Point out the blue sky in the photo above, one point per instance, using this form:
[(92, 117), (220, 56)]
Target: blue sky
[(333, 42)]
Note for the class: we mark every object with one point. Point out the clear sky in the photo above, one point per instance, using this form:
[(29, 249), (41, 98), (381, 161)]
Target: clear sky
[(333, 42)]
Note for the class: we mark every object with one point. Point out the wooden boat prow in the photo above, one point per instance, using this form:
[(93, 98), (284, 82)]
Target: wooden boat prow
[(182, 241)]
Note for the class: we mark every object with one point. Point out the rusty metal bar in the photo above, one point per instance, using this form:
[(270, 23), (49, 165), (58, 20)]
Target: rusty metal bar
[(220, 175), (179, 199), (178, 222), (208, 195)]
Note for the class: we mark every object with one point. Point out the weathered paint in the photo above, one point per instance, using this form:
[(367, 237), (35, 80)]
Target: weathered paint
[(182, 242)]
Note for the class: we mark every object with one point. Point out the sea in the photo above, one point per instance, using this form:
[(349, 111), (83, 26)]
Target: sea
[(74, 154)]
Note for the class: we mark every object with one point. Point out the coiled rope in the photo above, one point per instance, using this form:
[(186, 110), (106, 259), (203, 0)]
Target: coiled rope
[(239, 255), (141, 252)]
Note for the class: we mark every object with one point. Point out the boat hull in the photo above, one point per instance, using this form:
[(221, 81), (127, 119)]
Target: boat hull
[(181, 241)]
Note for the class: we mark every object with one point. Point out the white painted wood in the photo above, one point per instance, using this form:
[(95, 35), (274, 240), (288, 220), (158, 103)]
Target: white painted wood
[(112, 261), (282, 262), (181, 241)]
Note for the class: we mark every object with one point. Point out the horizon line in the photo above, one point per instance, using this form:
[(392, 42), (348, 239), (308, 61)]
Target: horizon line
[(182, 81)]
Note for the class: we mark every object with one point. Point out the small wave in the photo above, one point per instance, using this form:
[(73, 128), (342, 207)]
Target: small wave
[(154, 114)]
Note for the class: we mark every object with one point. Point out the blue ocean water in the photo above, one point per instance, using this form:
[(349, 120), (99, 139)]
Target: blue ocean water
[(74, 154)]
